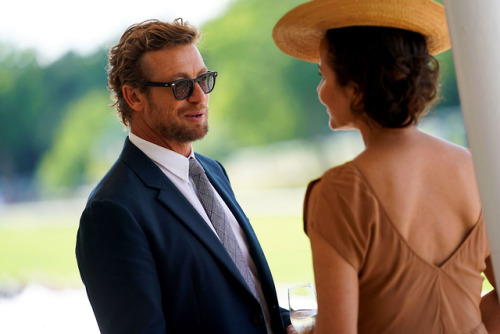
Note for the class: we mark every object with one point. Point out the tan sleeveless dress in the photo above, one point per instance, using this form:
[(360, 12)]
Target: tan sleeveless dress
[(399, 292)]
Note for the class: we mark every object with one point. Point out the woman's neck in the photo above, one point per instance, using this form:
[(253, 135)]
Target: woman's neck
[(375, 135)]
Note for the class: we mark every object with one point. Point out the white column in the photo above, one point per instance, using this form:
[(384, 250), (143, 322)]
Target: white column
[(475, 35)]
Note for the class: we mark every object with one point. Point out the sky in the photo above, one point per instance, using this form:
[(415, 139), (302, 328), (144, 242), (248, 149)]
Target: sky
[(54, 27)]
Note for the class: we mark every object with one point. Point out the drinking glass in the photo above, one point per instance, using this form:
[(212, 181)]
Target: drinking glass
[(303, 308)]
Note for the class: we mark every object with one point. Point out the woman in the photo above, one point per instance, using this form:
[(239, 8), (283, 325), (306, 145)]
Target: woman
[(397, 235)]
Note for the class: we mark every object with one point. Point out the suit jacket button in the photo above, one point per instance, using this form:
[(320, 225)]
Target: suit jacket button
[(258, 319)]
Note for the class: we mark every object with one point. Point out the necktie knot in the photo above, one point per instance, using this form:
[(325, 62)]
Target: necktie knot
[(195, 169)]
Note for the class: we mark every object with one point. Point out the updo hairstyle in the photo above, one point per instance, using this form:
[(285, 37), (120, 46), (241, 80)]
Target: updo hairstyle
[(396, 77)]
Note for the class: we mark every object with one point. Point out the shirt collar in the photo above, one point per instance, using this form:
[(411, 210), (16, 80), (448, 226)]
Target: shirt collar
[(174, 162)]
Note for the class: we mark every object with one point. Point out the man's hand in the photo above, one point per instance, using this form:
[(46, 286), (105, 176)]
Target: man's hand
[(291, 330)]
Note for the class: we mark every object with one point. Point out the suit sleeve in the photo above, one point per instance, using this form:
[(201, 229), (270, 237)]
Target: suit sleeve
[(285, 316), (117, 268)]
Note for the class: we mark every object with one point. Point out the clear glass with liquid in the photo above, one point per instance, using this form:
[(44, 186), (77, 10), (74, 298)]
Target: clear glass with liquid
[(304, 321), (303, 308)]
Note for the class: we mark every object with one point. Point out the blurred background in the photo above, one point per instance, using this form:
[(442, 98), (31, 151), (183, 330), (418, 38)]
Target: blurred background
[(59, 135)]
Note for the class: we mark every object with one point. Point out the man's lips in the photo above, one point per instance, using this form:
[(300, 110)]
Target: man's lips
[(196, 114)]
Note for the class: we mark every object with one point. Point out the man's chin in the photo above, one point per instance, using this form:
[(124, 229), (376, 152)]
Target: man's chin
[(187, 136), (203, 132)]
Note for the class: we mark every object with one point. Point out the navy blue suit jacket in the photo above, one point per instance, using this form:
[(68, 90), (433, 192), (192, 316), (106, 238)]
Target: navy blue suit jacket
[(150, 263)]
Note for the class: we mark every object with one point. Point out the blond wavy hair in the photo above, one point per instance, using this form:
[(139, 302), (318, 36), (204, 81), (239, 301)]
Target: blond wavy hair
[(124, 60)]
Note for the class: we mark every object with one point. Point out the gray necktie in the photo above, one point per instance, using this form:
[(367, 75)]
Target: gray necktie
[(216, 214)]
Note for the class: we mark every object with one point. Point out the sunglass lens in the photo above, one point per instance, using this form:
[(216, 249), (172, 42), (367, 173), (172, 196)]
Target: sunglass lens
[(207, 82), (183, 89)]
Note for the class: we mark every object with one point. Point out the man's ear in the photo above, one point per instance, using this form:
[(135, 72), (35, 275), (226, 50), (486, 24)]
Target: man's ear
[(134, 97)]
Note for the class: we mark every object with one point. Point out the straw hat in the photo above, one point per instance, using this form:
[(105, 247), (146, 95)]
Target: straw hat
[(300, 31)]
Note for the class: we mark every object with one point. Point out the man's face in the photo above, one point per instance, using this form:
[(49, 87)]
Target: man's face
[(165, 118)]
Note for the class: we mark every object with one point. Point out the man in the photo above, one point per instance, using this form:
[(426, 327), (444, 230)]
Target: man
[(153, 255)]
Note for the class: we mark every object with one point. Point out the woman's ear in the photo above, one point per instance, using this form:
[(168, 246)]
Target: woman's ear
[(356, 96), (134, 97)]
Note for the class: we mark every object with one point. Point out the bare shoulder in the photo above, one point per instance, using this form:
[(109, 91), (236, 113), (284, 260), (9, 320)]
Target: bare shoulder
[(451, 155), (448, 145)]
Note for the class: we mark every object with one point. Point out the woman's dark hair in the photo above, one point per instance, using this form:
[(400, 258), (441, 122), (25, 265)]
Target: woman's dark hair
[(396, 77)]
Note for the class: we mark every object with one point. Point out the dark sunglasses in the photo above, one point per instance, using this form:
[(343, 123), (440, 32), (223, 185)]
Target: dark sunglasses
[(183, 88)]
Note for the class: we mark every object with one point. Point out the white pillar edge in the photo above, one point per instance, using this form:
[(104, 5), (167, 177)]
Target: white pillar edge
[(474, 31)]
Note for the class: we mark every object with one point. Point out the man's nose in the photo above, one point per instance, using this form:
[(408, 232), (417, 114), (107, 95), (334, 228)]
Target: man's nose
[(198, 94)]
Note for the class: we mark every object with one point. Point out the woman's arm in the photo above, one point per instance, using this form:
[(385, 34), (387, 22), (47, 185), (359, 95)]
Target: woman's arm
[(337, 289), (490, 308)]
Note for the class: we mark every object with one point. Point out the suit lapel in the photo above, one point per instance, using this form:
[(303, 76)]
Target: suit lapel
[(171, 198), (222, 187)]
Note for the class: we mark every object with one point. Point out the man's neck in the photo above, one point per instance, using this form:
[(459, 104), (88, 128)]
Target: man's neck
[(180, 148)]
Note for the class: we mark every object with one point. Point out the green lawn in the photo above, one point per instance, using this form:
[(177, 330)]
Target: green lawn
[(47, 253), (286, 247), (43, 254)]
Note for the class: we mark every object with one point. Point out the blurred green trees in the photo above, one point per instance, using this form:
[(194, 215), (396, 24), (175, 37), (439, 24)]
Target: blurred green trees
[(262, 95), (80, 143), (34, 99), (57, 129)]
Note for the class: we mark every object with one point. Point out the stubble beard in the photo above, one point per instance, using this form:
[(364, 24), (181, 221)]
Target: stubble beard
[(175, 131), (180, 134)]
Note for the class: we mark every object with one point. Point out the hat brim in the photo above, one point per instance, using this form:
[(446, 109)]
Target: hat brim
[(299, 32)]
